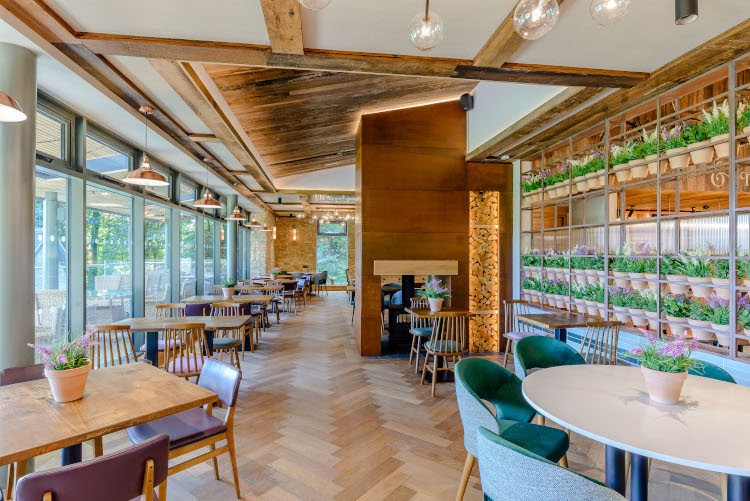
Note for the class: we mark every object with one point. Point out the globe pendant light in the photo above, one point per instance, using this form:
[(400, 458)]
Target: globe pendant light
[(426, 30), (607, 12), (535, 18), (143, 175), (314, 4), (10, 111), (236, 215)]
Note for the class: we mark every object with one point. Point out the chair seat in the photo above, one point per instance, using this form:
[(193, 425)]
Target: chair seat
[(185, 365), (183, 428), (161, 343), (225, 342), (443, 347), (421, 331), (550, 443), (515, 336)]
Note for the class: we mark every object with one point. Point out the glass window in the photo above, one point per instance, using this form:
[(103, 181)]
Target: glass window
[(333, 250), (187, 194), (188, 269), (50, 257), (50, 135), (109, 289), (160, 191), (208, 259), (106, 160), (223, 262), (156, 242)]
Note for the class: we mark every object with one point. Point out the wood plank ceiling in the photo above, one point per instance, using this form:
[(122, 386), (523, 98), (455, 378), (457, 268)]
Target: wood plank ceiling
[(305, 121)]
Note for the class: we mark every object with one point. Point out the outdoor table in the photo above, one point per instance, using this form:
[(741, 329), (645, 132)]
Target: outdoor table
[(559, 323)]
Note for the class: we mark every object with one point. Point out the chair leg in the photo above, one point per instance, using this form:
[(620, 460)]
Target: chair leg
[(411, 351), (540, 420), (564, 461), (434, 374), (98, 447), (163, 490), (424, 368), (216, 463), (10, 484), (468, 465), (507, 349), (233, 457)]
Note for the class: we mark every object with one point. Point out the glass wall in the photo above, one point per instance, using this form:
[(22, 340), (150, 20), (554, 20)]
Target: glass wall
[(188, 249), (333, 251), (208, 256), (156, 245), (50, 256), (223, 250), (109, 294), (104, 158)]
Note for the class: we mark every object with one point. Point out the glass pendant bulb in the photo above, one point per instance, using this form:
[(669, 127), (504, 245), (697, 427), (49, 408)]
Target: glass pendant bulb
[(607, 12), (314, 4), (426, 32), (535, 18)]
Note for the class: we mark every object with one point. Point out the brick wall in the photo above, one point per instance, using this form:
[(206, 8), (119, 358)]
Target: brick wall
[(292, 254)]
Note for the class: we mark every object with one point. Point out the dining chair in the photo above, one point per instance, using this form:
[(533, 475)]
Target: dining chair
[(197, 309), (711, 371), (170, 310), (420, 330), (299, 295), (600, 343), (541, 352), (126, 475), (111, 345), (197, 428), (183, 355), (224, 342), (515, 330), (510, 471), (481, 383), (287, 294), (257, 318), (448, 340)]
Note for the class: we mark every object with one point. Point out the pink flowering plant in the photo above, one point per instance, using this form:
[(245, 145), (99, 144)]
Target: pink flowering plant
[(666, 356), (434, 289), (275, 271), (66, 355)]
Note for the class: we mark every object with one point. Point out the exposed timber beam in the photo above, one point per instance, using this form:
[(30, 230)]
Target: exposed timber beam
[(349, 62), (305, 200), (203, 138), (284, 25)]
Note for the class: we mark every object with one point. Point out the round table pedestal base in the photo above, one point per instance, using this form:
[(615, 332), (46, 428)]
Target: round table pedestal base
[(738, 488)]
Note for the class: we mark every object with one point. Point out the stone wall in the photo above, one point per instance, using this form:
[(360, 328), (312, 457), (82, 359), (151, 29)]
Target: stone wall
[(483, 279), (270, 220), (292, 254)]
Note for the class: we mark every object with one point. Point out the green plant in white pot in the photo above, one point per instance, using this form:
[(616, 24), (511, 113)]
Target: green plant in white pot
[(675, 307), (67, 366), (698, 271), (227, 287), (619, 158), (673, 143), (720, 318), (650, 308), (673, 268), (621, 300), (715, 126), (434, 292), (700, 320)]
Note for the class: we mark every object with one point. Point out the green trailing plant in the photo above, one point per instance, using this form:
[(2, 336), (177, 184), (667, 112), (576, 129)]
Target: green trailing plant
[(743, 265), (648, 145), (531, 182), (597, 292), (743, 115), (715, 122), (675, 305), (696, 268), (720, 268), (649, 300), (229, 283), (719, 309), (693, 133), (699, 311), (743, 309), (556, 262), (638, 264), (532, 257), (578, 291), (561, 287), (595, 263), (547, 287), (622, 297), (619, 264), (671, 264)]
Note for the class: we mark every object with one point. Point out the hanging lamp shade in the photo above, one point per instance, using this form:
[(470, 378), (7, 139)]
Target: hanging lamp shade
[(207, 202), (254, 223), (265, 228), (236, 215), (10, 111), (144, 176)]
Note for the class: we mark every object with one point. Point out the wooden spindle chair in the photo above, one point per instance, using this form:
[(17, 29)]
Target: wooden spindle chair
[(112, 345), (170, 310), (228, 341), (420, 330), (514, 329), (183, 353), (600, 343), (449, 339)]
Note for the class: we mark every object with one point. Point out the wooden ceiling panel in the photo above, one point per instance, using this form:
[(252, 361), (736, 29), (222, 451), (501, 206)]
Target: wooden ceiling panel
[(304, 121)]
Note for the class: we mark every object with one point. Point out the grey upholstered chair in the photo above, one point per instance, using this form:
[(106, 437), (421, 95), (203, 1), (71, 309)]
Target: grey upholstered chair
[(127, 475), (512, 473)]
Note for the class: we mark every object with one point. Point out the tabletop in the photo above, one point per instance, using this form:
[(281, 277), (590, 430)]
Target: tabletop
[(265, 287), (32, 423), (610, 404), (257, 298), (390, 288), (445, 311), (555, 320), (212, 323)]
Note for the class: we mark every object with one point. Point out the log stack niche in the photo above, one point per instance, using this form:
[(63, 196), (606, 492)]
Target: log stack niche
[(484, 262), (645, 217)]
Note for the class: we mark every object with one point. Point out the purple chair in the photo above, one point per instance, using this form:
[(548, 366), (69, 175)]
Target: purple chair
[(193, 426), (197, 309), (122, 476)]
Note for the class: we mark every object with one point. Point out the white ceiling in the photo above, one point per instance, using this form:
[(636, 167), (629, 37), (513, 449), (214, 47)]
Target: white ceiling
[(335, 179)]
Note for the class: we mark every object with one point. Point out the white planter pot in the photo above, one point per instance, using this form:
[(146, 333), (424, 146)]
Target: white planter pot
[(592, 279), (639, 171), (602, 311), (619, 281), (746, 130), (722, 333), (703, 152), (653, 320), (562, 191), (621, 313), (624, 175), (532, 198), (678, 288), (591, 308), (654, 286), (593, 183), (700, 290), (698, 329), (638, 322), (581, 183), (678, 161), (228, 292), (721, 145), (436, 303), (677, 330), (638, 284), (722, 291)]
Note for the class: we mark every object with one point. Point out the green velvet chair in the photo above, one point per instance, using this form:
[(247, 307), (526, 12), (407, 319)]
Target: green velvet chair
[(541, 352), (712, 371), (513, 473), (479, 380)]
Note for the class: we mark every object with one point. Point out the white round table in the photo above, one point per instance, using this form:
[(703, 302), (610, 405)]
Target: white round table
[(707, 429)]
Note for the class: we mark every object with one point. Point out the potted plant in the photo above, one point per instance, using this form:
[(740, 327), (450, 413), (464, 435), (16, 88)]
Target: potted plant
[(665, 366), (533, 261), (700, 320), (578, 170), (227, 287), (67, 367), (528, 284), (275, 272), (579, 261), (720, 318), (743, 313), (674, 269), (698, 271), (434, 292), (578, 292), (743, 117), (621, 300), (595, 264), (637, 264), (651, 275), (650, 307), (531, 185), (675, 307), (589, 298), (598, 293), (715, 126), (547, 290), (649, 147), (562, 291), (619, 266), (701, 149), (673, 144), (618, 161), (595, 165), (720, 276)]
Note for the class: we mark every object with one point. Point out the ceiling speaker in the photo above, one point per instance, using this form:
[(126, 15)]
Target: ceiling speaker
[(467, 102)]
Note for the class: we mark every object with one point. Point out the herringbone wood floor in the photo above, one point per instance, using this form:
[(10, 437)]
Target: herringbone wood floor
[(317, 422)]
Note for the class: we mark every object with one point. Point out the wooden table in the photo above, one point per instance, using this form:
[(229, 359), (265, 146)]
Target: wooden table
[(390, 289), (257, 298), (610, 404), (446, 310), (559, 323), (264, 287), (152, 326), (116, 398)]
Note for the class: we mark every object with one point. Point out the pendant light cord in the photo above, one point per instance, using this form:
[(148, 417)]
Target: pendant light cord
[(427, 11)]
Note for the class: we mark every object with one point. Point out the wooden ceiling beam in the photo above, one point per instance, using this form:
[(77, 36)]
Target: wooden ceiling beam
[(203, 138), (284, 25), (305, 200), (350, 62)]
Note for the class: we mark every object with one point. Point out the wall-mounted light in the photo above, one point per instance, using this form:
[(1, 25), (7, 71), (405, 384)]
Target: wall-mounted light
[(274, 233), (294, 233)]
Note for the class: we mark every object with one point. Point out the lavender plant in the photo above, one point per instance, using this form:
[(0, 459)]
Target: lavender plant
[(63, 356), (622, 297), (719, 309), (672, 138), (663, 356), (434, 289)]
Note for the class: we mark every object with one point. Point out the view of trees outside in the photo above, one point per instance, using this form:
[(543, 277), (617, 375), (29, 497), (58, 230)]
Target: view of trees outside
[(208, 259), (223, 248), (188, 249), (156, 234), (333, 252)]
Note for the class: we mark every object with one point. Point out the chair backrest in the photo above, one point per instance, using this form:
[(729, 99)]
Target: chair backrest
[(479, 379), (13, 375), (121, 476), (301, 284), (112, 345), (317, 279), (417, 322), (197, 309), (450, 333), (511, 472), (541, 352), (227, 309), (183, 348), (705, 369), (223, 379), (289, 286), (170, 310), (600, 343), (514, 307)]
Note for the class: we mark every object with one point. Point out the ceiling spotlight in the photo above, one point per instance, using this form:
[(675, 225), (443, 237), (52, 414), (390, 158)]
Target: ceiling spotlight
[(535, 18), (426, 30), (685, 11), (314, 4), (10, 110), (607, 12), (208, 159)]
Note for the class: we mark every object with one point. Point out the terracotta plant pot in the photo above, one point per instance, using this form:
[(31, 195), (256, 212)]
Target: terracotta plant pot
[(623, 175), (593, 183), (638, 322), (700, 290), (652, 164), (721, 145), (664, 387), (638, 284), (678, 161), (581, 183), (678, 288), (68, 385), (638, 169), (228, 292), (621, 313), (602, 310), (620, 282), (677, 330), (653, 322), (703, 153), (722, 333), (591, 308), (436, 303), (654, 286), (722, 291), (698, 329)]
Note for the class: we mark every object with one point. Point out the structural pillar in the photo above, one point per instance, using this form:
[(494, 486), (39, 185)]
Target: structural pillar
[(50, 245), (231, 239), (17, 161)]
